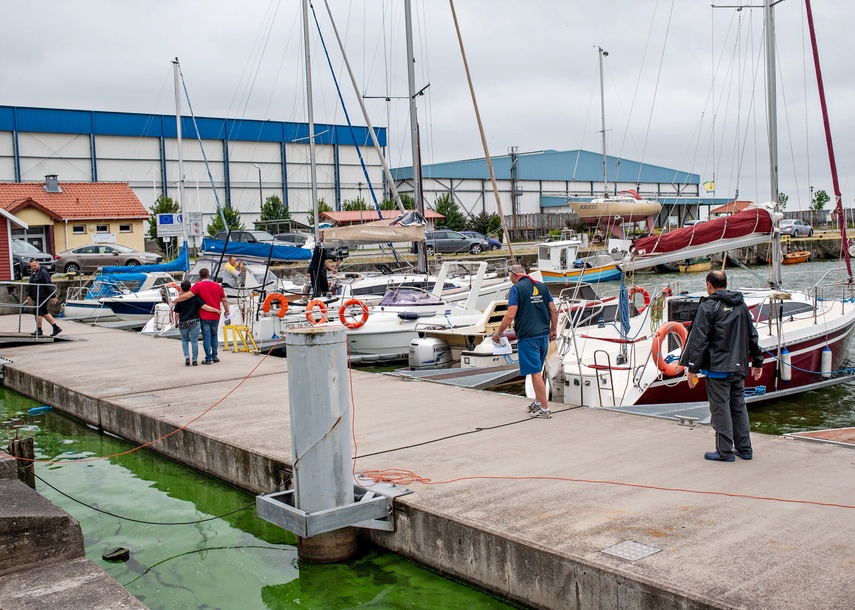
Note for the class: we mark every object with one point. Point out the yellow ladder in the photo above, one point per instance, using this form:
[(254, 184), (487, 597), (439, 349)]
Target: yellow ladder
[(239, 333)]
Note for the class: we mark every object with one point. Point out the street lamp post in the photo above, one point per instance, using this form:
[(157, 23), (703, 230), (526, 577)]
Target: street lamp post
[(260, 192)]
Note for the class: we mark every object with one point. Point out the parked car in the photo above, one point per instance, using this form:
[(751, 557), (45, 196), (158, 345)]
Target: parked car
[(453, 242), (298, 240), (87, 259), (493, 244), (250, 237), (22, 253), (795, 227)]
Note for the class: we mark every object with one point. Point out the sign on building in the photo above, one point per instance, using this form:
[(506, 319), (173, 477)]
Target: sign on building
[(103, 238), (169, 225), (196, 224)]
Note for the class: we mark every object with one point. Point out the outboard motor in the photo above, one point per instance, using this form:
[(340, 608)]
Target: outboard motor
[(429, 353)]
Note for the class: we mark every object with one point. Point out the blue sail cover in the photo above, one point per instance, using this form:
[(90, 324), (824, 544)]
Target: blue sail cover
[(106, 285), (259, 251), (181, 263)]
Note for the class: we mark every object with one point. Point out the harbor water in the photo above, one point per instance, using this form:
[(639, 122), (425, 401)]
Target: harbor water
[(216, 553)]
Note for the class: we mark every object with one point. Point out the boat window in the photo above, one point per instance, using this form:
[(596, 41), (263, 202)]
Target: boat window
[(409, 297)]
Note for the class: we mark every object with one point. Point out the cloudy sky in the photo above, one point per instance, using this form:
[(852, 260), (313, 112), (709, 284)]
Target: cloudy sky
[(684, 83)]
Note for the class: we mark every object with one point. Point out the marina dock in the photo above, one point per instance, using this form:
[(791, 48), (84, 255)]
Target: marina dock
[(590, 509)]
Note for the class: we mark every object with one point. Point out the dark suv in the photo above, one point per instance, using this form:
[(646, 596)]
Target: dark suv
[(454, 242), (23, 252)]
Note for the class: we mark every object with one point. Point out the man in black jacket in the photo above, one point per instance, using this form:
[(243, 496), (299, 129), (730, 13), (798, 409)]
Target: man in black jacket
[(40, 292), (722, 339)]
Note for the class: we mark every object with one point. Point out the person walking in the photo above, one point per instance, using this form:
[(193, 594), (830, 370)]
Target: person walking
[(186, 317), (721, 341), (535, 319), (40, 293), (213, 295)]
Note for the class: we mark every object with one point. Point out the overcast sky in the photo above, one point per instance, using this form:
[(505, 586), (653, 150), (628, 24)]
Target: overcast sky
[(533, 62)]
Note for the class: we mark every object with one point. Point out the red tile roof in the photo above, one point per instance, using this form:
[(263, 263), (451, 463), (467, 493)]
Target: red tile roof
[(77, 201), (369, 215)]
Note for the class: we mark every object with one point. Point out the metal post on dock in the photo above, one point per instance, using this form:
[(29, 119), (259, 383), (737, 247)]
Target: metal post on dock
[(321, 444), (325, 505)]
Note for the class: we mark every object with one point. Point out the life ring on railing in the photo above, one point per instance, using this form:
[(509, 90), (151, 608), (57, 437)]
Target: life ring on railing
[(310, 312), (672, 369), (355, 322), (644, 293), (279, 298)]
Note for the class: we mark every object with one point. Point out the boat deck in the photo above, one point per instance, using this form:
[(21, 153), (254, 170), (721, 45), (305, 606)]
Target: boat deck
[(838, 436), (539, 511)]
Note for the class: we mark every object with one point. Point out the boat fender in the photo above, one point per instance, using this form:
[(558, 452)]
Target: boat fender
[(825, 360), (161, 316), (279, 298), (310, 312), (38, 410), (671, 369), (408, 315), (353, 322), (639, 290), (786, 365)]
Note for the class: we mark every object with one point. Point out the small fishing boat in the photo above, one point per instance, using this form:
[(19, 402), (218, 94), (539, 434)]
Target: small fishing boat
[(85, 302), (695, 265), (559, 261), (793, 258)]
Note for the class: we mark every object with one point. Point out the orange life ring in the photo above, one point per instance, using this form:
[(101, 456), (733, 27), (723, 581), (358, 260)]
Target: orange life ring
[(667, 291), (672, 369), (355, 322), (310, 312), (279, 298), (644, 293)]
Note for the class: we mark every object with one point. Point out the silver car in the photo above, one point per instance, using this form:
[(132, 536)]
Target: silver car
[(795, 227), (87, 259)]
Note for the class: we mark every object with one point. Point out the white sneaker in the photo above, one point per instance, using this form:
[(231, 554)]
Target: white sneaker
[(541, 412)]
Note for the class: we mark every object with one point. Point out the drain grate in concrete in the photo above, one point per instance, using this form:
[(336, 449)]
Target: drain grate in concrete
[(631, 550)]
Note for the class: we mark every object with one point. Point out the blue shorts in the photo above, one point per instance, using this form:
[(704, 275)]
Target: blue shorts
[(532, 354)]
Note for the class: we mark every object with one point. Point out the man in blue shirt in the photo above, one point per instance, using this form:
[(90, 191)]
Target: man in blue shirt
[(535, 320)]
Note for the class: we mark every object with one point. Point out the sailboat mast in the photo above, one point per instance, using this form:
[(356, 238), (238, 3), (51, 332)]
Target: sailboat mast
[(841, 217), (772, 125), (603, 118), (313, 171), (176, 71), (421, 263)]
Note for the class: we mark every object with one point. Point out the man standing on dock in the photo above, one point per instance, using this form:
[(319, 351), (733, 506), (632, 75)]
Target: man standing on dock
[(40, 292), (720, 343), (535, 320)]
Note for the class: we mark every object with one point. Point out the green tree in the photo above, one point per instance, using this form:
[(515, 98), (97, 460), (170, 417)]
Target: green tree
[(494, 227), (323, 206), (232, 218), (819, 200), (161, 205), (783, 198), (355, 205), (274, 209), (390, 204), (446, 206), (480, 223)]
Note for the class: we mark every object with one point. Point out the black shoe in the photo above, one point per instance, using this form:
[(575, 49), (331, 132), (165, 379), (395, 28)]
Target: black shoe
[(195, 363), (38, 333), (187, 362), (207, 362), (56, 331), (215, 359), (745, 455), (715, 456)]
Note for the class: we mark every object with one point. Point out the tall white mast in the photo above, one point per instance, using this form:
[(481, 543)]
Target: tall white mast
[(603, 118), (176, 71), (421, 263), (772, 121), (313, 171)]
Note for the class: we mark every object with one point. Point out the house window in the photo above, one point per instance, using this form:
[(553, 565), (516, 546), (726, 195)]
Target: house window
[(126, 229), (102, 228), (78, 229)]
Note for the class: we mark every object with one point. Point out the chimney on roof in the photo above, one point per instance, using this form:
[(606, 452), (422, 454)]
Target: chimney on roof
[(52, 184)]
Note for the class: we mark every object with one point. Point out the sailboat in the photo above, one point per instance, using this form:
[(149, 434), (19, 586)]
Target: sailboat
[(633, 365)]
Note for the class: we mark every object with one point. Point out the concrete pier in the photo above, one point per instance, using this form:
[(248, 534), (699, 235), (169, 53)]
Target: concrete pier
[(522, 507)]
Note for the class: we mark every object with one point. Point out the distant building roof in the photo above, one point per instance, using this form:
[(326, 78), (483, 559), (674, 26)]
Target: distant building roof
[(76, 201), (731, 208), (352, 217), (580, 165)]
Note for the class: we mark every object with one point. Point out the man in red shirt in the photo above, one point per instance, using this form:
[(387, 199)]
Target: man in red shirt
[(213, 295)]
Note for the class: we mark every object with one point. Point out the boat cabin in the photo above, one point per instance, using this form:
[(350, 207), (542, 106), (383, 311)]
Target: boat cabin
[(558, 256)]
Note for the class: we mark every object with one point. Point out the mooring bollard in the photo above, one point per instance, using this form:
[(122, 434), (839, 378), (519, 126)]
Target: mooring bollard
[(321, 443)]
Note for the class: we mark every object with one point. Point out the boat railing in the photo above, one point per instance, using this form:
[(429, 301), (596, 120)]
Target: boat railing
[(18, 291)]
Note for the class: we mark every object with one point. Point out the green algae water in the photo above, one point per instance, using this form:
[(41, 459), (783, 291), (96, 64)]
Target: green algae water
[(223, 556)]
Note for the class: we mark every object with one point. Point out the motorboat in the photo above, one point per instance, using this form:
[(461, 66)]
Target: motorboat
[(559, 261), (695, 265), (85, 302)]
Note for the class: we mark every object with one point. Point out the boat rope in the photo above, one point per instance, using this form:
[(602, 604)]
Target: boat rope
[(846, 371)]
